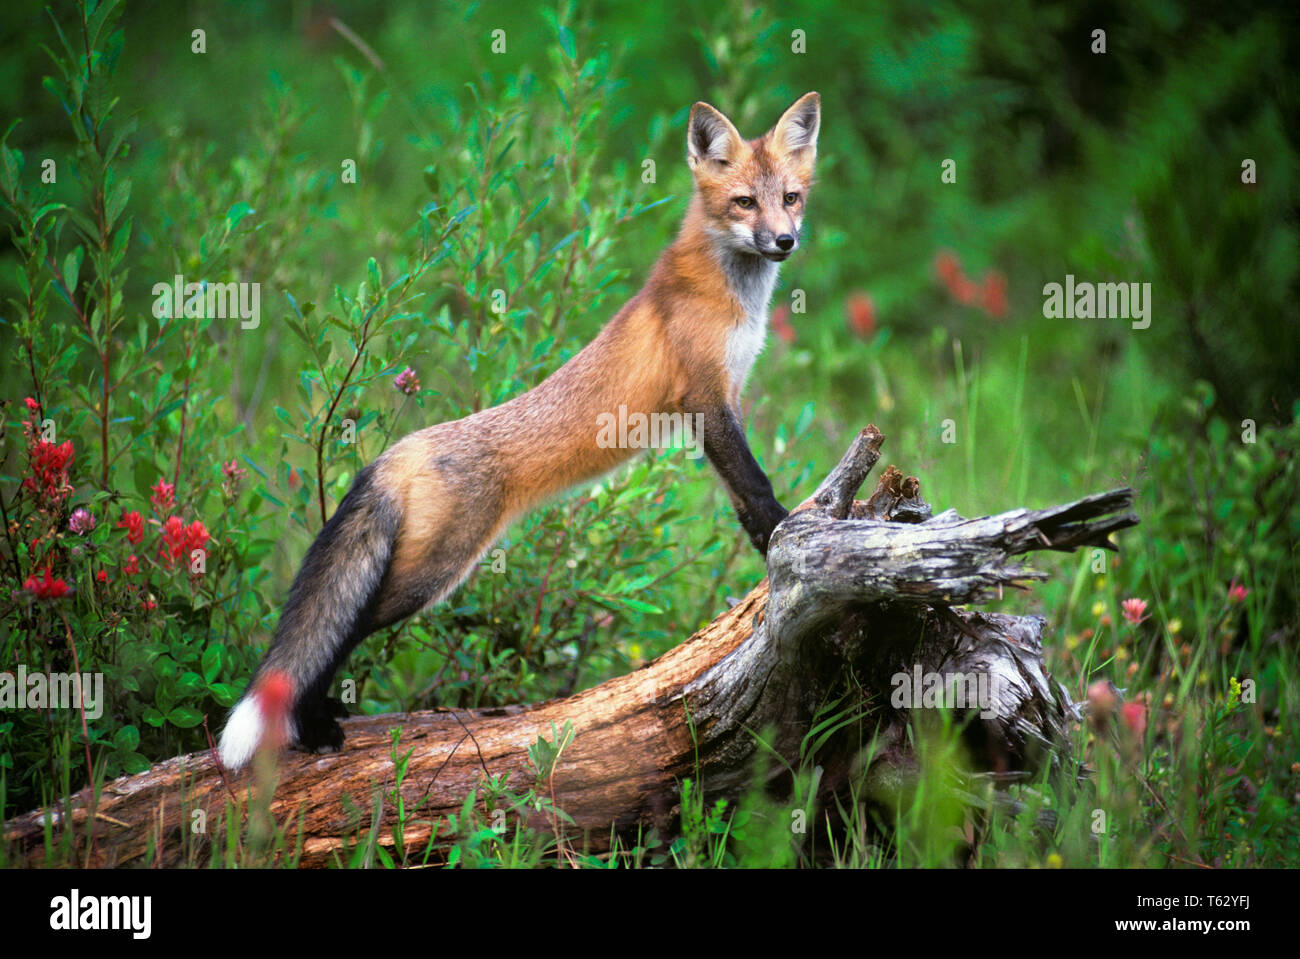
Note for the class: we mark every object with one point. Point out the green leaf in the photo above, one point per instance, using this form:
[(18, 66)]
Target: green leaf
[(118, 191), (134, 764), (126, 739), (211, 662), (72, 268), (186, 717), (223, 693), (566, 42), (235, 214), (805, 418), (541, 205), (640, 606), (47, 208)]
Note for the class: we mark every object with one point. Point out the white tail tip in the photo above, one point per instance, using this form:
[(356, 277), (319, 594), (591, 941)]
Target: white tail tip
[(244, 732)]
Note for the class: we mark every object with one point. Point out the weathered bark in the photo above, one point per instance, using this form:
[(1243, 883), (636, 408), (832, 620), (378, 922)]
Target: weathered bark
[(858, 588)]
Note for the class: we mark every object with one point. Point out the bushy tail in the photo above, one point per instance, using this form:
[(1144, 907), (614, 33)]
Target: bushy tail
[(327, 614)]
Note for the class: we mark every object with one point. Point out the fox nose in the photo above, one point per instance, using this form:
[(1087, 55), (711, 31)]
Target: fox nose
[(785, 242)]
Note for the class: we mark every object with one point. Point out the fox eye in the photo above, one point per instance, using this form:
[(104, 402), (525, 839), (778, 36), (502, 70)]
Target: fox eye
[(745, 202), (791, 199)]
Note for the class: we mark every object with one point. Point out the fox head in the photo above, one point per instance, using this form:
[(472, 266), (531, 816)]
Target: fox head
[(753, 191)]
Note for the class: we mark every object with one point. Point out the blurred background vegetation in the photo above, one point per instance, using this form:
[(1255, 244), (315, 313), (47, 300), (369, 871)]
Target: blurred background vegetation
[(522, 170)]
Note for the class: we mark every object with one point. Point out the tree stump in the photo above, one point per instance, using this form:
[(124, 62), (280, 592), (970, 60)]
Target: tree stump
[(862, 589)]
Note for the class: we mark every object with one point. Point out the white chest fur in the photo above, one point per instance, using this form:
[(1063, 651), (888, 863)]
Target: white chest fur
[(752, 283)]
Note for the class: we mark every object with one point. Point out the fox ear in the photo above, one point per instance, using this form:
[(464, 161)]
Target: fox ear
[(710, 136), (798, 126)]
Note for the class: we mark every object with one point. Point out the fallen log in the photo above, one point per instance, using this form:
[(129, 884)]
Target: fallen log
[(862, 589)]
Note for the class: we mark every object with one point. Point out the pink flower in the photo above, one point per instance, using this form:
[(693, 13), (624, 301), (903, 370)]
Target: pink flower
[(407, 382), (1133, 610), (32, 405), (133, 523), (1101, 701), (232, 475), (164, 496), (1237, 593), (82, 521), (1135, 717)]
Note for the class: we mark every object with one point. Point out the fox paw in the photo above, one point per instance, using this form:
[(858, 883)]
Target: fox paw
[(318, 730)]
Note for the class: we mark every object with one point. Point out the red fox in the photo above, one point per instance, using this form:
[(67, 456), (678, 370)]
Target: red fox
[(419, 518)]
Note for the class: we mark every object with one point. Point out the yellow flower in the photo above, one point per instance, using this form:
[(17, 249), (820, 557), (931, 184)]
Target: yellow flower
[(1053, 861), (1175, 626), (1098, 608)]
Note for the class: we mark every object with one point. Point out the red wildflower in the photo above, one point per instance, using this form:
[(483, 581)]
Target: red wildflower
[(1237, 593), (164, 496), (964, 291), (32, 406), (173, 541), (995, 294), (195, 536), (781, 324), (947, 268), (47, 588), (49, 469), (862, 315), (132, 565), (102, 576), (274, 695), (180, 541), (133, 523)]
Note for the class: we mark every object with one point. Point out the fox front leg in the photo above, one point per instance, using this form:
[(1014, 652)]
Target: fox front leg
[(750, 489)]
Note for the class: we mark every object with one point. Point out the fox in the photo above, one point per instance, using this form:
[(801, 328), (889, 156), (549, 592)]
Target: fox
[(419, 518)]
